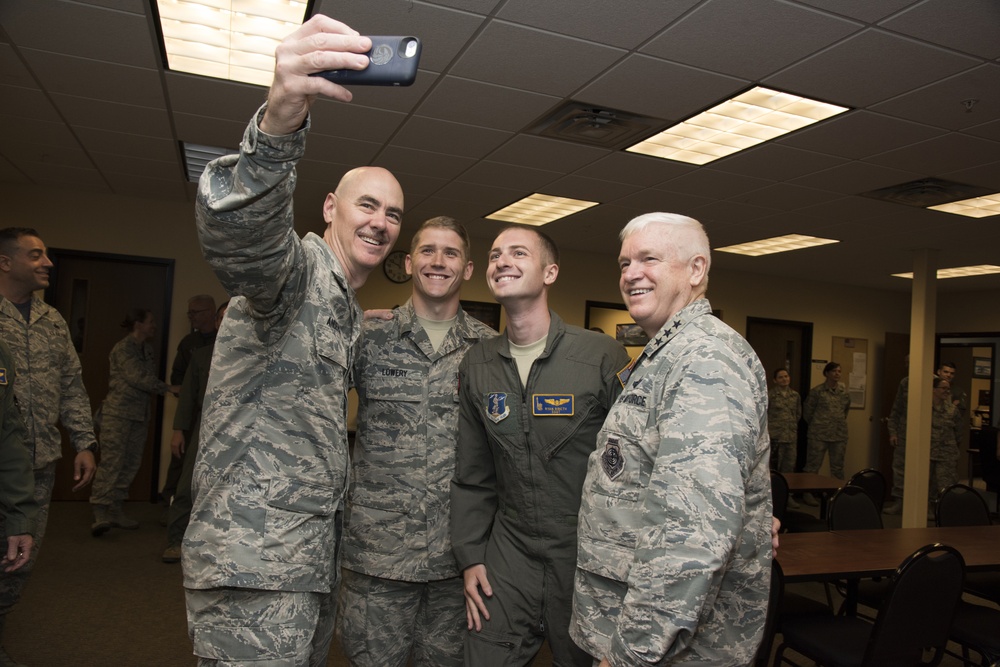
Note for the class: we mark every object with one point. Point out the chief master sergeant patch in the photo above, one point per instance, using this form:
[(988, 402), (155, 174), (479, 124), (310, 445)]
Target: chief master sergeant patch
[(612, 459)]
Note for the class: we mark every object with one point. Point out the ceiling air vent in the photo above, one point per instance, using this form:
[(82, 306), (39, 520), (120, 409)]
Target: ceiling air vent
[(593, 126), (927, 192)]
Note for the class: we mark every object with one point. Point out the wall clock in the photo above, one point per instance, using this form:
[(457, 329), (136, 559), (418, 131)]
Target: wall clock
[(395, 266)]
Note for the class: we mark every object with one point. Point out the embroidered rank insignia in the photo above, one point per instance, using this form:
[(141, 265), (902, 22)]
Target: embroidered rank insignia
[(496, 407), (612, 460), (3, 376), (552, 405)]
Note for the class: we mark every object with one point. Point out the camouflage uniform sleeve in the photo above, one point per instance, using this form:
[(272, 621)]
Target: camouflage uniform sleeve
[(74, 403), (809, 405), (134, 370), (244, 218), (693, 511), (16, 478), (474, 499), (895, 421), (798, 406), (187, 401)]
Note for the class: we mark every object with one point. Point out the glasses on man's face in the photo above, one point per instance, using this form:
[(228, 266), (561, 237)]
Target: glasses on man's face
[(192, 313)]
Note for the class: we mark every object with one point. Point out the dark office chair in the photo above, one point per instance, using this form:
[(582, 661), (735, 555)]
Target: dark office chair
[(792, 521), (916, 616), (961, 505), (873, 482), (780, 605), (986, 441), (853, 509), (977, 628)]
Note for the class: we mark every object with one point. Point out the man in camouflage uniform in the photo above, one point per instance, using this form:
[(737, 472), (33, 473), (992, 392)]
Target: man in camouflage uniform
[(675, 553), (897, 440), (401, 596), (825, 411), (531, 403), (945, 422), (958, 398), (49, 386), (260, 555)]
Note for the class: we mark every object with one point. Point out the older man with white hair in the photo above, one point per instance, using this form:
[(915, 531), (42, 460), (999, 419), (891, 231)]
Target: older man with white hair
[(674, 533)]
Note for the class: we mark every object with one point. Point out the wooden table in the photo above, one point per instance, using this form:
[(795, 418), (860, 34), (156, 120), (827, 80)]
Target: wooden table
[(811, 482)]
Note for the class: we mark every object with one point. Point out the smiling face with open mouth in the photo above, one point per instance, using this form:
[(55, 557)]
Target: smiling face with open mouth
[(438, 264), (519, 267)]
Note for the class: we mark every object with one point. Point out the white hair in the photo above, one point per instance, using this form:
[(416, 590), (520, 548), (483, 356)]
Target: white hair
[(687, 234)]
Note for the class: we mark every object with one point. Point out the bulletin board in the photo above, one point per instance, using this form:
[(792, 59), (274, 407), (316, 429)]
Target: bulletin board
[(852, 355)]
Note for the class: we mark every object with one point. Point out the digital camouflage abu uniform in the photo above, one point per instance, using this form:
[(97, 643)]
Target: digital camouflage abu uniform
[(784, 409), (825, 410), (125, 420), (897, 427), (945, 422), (396, 524), (675, 545), (16, 480), (49, 389), (272, 461), (522, 456)]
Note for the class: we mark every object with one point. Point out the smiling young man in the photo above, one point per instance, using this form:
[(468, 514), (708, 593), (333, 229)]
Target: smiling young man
[(261, 552), (531, 403), (49, 385), (675, 524), (401, 599)]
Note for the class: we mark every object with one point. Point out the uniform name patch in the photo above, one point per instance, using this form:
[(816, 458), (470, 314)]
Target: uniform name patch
[(634, 399), (393, 372), (496, 406), (552, 405), (612, 460)]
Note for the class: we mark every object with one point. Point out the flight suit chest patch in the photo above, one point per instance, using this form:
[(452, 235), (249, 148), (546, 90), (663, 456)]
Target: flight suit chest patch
[(552, 405)]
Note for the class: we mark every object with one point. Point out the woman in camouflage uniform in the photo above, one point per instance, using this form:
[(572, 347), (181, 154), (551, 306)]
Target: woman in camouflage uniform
[(944, 443), (125, 417)]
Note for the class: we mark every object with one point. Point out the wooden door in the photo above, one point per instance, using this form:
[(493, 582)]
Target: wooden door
[(93, 291)]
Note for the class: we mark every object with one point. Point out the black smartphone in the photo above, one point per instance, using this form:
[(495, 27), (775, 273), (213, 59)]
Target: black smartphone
[(392, 61)]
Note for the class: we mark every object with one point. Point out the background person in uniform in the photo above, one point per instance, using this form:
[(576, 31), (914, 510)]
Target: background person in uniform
[(784, 409), (49, 385), (184, 442), (825, 411), (125, 420), (261, 549), (896, 424), (675, 523), (201, 314), (17, 483), (531, 403), (401, 598), (960, 399), (945, 421)]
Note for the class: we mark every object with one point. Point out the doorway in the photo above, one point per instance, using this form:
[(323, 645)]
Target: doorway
[(92, 291), (785, 344)]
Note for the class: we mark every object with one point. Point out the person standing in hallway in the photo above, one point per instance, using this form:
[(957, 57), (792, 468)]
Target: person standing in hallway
[(125, 420), (825, 411)]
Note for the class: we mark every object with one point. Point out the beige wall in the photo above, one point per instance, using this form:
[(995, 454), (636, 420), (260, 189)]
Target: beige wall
[(102, 223)]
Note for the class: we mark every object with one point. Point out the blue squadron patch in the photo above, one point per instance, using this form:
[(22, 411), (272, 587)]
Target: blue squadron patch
[(612, 460), (496, 407), (3, 376), (552, 405)]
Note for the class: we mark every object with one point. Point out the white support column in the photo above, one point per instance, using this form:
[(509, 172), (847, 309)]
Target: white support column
[(923, 316)]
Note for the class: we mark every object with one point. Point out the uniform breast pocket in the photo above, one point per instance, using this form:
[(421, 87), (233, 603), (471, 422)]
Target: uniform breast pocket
[(387, 384), (298, 523)]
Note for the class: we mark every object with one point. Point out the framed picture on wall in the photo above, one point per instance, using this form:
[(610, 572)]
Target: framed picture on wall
[(982, 367), (484, 311)]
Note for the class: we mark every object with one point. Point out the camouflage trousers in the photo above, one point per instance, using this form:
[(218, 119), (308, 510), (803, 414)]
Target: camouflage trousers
[(942, 475), (385, 623), (122, 443), (782, 456), (233, 627), (817, 452), (180, 507), (898, 468), (12, 583)]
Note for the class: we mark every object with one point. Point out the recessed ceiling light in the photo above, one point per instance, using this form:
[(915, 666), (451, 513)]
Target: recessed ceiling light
[(756, 116), (977, 207), (959, 272), (197, 156), (539, 209), (227, 39), (776, 244)]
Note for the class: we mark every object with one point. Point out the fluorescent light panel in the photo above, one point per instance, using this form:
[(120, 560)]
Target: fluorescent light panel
[(538, 209), (776, 244), (196, 157), (227, 39), (756, 116), (959, 272), (977, 207)]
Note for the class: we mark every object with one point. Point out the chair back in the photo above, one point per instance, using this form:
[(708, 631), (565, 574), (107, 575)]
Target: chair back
[(873, 482), (763, 658), (918, 610), (961, 505), (852, 509), (779, 495)]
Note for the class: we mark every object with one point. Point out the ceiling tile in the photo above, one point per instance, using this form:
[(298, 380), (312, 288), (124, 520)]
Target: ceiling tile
[(941, 154), (484, 104), (945, 103), (774, 161), (969, 26), (707, 182), (864, 10), (736, 31), (859, 134), (543, 153), (408, 160), (517, 177), (643, 170), (447, 137), (126, 118), (102, 81), (853, 178), (590, 189)]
